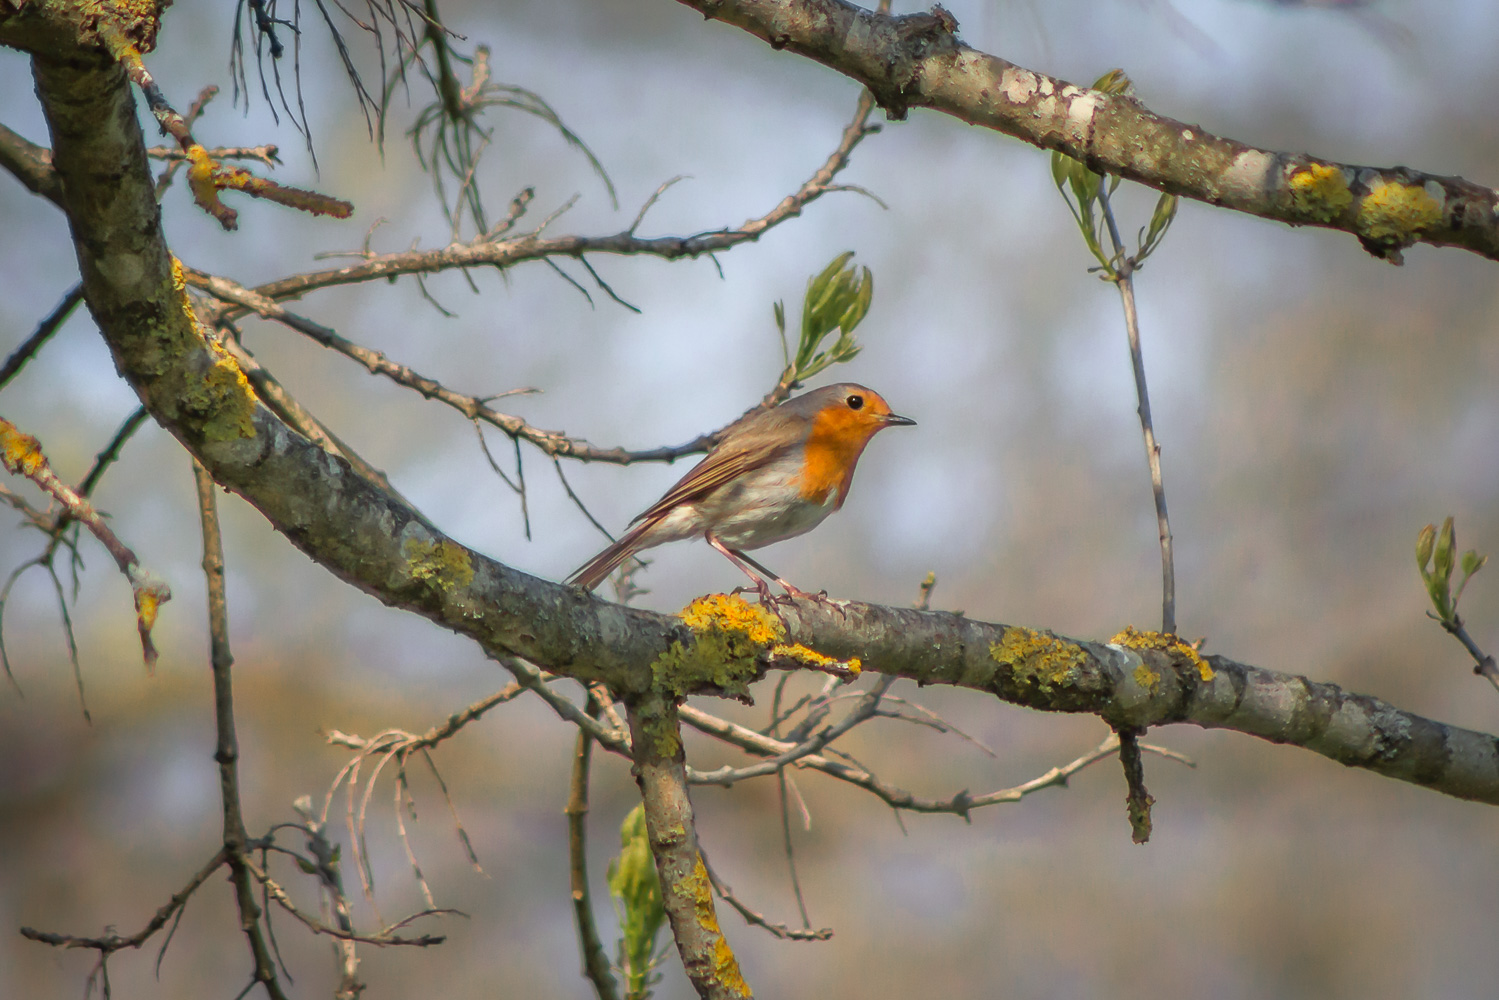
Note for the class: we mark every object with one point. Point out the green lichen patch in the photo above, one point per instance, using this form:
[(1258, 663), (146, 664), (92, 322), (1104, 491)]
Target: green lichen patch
[(443, 563), (1319, 190), (224, 399), (728, 636), (1132, 639), (1393, 212), (1037, 658)]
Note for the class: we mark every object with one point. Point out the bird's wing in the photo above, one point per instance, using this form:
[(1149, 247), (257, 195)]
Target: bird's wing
[(762, 439)]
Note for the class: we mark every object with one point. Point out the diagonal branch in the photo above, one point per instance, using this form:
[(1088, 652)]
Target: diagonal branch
[(917, 61)]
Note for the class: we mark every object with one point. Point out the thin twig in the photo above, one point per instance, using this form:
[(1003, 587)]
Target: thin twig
[(386, 937), (236, 849), (1137, 801), (758, 919), (898, 798), (796, 883), (113, 942), (1483, 663), (102, 462), (595, 959), (43, 332), (1124, 281)]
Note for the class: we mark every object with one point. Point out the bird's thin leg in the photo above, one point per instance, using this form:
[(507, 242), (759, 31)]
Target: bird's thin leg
[(793, 591), (762, 585)]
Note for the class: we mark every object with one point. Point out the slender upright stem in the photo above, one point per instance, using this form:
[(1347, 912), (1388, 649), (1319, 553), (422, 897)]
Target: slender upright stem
[(595, 959), (226, 752), (1124, 280)]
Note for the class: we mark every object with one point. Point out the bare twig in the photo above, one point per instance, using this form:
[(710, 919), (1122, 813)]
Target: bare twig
[(865, 710), (110, 943), (758, 919), (43, 332), (396, 739), (385, 937), (486, 251), (1483, 663), (796, 883), (898, 798), (1123, 278), (1138, 801), (236, 849), (102, 461), (595, 959)]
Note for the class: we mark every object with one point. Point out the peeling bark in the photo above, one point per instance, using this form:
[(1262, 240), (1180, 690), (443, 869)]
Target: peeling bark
[(917, 61)]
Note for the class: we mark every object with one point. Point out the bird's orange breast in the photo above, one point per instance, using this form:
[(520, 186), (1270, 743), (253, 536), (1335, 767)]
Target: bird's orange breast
[(833, 447)]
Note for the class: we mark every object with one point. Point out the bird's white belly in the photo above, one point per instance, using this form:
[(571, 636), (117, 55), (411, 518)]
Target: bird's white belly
[(763, 507)]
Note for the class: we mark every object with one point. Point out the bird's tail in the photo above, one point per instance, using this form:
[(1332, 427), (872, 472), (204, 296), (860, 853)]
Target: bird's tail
[(596, 570)]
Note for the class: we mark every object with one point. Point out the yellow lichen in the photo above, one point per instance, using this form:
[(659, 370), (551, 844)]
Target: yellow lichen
[(1037, 657), (1397, 212), (179, 285), (1321, 191), (1132, 639), (22, 452), (699, 890), (224, 396), (1146, 678), (812, 658), (147, 605), (733, 614), (444, 563), (728, 636)]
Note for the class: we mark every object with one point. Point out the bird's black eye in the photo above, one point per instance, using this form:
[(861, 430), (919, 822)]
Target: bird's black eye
[(855, 402)]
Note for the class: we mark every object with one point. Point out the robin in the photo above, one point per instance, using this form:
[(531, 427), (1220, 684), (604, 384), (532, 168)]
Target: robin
[(773, 475)]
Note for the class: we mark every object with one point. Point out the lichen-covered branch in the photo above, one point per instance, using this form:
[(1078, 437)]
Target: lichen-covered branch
[(917, 61), (686, 892)]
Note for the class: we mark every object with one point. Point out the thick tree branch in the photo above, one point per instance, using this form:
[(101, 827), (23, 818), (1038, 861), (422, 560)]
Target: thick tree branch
[(917, 60)]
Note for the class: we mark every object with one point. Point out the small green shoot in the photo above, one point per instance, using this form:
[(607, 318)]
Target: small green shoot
[(637, 902), (1434, 558), (837, 299), (1087, 199)]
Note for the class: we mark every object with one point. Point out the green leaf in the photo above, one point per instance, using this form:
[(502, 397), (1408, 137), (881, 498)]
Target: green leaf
[(634, 884), (1446, 543), (837, 299), (1160, 221), (1425, 543), (1115, 81)]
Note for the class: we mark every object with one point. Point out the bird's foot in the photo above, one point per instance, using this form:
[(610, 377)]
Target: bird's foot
[(821, 597)]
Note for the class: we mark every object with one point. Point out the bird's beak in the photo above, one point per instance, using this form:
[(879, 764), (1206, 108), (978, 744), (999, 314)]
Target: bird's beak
[(895, 420)]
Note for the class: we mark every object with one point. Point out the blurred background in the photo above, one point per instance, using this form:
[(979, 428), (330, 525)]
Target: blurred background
[(1315, 406)]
